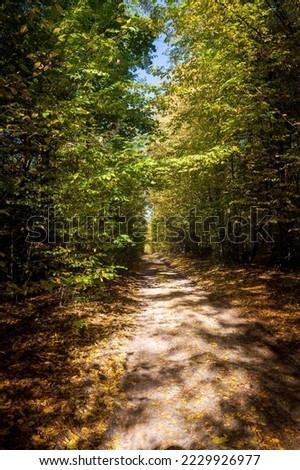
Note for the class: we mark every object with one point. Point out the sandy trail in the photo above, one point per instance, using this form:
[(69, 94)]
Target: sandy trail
[(199, 376)]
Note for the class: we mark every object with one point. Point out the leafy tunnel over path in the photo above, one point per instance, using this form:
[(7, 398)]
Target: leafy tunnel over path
[(214, 150)]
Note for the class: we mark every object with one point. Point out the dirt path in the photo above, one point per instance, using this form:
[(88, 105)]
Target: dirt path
[(199, 376)]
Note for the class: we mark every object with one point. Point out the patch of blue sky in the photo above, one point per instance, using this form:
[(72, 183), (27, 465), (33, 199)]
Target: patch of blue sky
[(160, 62)]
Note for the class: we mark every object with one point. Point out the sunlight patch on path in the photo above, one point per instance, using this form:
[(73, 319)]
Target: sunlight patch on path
[(198, 376)]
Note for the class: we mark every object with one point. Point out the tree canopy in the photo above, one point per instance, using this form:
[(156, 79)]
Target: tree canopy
[(230, 131), (88, 150), (75, 121)]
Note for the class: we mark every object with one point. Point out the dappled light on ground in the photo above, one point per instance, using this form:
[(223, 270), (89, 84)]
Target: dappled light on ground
[(200, 376), (61, 368), (153, 362)]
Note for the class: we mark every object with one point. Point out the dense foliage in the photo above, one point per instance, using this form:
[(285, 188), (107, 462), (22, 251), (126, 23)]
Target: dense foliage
[(76, 125), (75, 121), (230, 132)]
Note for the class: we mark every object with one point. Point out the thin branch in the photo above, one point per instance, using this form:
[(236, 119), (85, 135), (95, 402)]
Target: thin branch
[(259, 33), (280, 17)]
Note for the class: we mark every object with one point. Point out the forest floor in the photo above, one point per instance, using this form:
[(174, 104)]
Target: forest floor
[(201, 375), (61, 366), (191, 356)]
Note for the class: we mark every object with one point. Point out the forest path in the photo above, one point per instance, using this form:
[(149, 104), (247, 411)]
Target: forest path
[(199, 376)]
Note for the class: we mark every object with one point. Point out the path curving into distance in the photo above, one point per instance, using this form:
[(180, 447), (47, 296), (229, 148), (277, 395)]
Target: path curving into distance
[(199, 376)]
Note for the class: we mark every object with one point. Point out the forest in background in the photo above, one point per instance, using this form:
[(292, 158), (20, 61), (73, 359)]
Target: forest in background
[(229, 156), (75, 125), (90, 152), (98, 167)]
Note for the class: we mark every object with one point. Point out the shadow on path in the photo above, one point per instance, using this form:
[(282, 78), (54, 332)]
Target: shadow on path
[(199, 376)]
